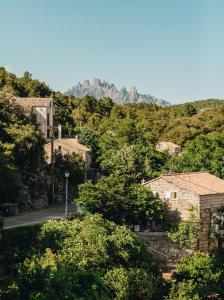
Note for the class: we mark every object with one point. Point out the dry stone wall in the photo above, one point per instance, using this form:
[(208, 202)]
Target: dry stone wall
[(163, 248)]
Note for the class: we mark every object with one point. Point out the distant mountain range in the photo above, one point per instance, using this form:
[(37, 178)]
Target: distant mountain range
[(100, 89)]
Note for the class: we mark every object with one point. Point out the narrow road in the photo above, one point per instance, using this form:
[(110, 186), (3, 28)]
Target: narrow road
[(36, 216)]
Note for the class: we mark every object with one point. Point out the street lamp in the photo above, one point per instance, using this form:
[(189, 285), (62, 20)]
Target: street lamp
[(66, 193)]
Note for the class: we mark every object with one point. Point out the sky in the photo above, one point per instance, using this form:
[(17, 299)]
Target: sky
[(172, 49)]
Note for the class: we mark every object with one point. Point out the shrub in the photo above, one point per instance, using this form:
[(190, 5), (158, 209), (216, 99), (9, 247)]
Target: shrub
[(185, 234), (200, 275), (89, 259), (16, 244), (183, 291)]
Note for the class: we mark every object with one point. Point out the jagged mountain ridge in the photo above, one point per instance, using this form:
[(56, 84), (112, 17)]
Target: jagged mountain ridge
[(100, 89)]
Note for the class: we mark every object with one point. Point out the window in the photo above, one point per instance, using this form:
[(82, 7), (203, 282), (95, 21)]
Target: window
[(167, 195), (174, 195), (59, 149), (48, 133), (155, 194), (48, 119)]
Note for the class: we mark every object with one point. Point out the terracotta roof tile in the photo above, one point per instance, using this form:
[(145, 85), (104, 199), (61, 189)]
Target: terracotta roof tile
[(200, 183), (30, 102), (67, 146)]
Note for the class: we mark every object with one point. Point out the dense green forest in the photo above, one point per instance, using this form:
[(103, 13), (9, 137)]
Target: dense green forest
[(122, 137), (97, 257)]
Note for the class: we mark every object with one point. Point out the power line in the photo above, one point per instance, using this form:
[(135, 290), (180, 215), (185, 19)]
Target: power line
[(25, 172)]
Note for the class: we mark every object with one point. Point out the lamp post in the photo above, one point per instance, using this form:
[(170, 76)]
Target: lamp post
[(66, 193)]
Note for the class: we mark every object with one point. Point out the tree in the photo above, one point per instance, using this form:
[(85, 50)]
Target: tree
[(188, 110), (217, 226), (133, 162), (9, 179), (204, 153), (69, 162), (119, 202), (90, 139), (20, 142), (89, 259), (201, 275)]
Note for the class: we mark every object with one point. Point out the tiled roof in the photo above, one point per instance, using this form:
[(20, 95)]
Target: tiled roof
[(67, 146), (30, 102), (199, 183)]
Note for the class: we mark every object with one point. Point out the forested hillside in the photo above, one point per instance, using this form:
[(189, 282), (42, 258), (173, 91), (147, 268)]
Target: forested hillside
[(122, 137), (96, 258), (24, 174)]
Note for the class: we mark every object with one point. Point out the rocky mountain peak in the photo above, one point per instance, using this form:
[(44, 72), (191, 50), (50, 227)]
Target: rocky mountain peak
[(100, 89)]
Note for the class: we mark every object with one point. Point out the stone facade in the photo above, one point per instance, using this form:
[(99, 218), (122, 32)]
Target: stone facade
[(69, 146), (201, 191), (163, 248), (44, 118), (42, 109), (178, 199)]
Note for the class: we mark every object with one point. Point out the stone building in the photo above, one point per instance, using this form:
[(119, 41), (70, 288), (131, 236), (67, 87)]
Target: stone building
[(43, 110), (69, 146), (169, 147), (184, 191)]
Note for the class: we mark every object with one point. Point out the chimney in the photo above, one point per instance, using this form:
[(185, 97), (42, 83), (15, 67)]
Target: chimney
[(59, 131), (77, 138)]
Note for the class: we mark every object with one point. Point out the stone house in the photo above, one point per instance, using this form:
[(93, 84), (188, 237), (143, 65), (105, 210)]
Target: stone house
[(183, 191), (43, 110), (169, 147), (69, 146)]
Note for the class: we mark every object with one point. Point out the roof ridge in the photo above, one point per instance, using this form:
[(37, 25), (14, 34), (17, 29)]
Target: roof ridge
[(199, 183), (204, 187), (17, 97), (183, 173), (68, 142)]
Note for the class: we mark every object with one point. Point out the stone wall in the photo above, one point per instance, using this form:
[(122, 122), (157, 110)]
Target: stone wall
[(34, 192), (163, 248), (208, 205), (184, 201)]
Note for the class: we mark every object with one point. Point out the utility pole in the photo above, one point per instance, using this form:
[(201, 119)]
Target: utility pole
[(52, 165), (52, 149)]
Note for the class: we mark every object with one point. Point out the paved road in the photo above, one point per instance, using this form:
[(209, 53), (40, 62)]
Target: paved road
[(37, 216)]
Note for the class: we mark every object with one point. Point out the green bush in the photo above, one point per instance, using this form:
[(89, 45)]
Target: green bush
[(200, 276), (89, 259), (16, 244), (119, 202), (183, 291), (185, 234)]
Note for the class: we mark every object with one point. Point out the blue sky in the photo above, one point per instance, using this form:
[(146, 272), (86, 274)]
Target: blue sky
[(173, 49)]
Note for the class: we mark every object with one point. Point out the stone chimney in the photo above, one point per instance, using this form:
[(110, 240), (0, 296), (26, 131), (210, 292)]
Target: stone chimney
[(59, 131)]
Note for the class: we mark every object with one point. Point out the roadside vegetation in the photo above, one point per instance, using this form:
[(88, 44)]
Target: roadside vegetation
[(89, 259)]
